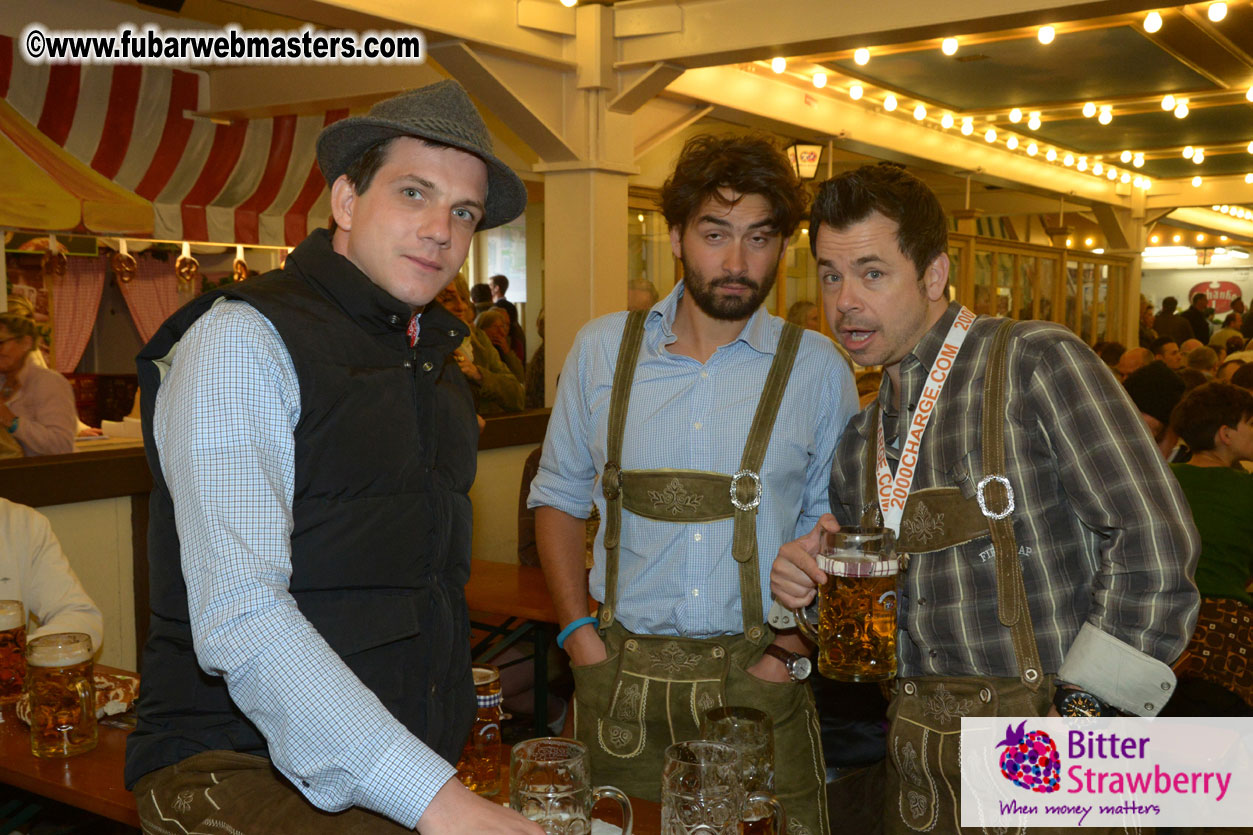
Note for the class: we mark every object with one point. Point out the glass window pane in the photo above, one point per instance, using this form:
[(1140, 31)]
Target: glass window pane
[(985, 300), (1028, 266)]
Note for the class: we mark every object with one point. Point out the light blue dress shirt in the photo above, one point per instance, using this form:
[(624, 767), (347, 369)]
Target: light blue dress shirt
[(224, 422), (680, 579)]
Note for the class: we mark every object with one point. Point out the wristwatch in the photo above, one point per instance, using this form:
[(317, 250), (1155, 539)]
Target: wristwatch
[(798, 666), (1074, 702)]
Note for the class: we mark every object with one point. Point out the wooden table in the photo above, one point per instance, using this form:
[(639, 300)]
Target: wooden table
[(91, 781)]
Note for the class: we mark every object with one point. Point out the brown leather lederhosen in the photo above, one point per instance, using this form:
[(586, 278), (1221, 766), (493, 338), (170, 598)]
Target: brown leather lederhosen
[(653, 690), (923, 768)]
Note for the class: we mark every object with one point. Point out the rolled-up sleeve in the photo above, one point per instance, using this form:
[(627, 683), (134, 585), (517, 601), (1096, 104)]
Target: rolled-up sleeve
[(567, 472)]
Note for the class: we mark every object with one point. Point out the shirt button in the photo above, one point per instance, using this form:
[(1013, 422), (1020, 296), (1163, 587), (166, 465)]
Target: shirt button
[(922, 601), (704, 375), (696, 425), (933, 653), (695, 592), (408, 364), (696, 537), (427, 366), (453, 334), (394, 319)]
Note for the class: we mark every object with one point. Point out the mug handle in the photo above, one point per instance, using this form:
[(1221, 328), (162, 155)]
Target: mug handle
[(617, 794), (805, 625), (776, 808)]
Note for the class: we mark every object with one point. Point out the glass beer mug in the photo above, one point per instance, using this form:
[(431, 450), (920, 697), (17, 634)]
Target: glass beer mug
[(550, 784), (12, 649), (61, 684), (479, 766), (702, 793), (856, 628)]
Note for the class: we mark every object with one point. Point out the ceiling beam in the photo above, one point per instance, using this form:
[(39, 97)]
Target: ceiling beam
[(669, 128), (633, 95), (715, 32)]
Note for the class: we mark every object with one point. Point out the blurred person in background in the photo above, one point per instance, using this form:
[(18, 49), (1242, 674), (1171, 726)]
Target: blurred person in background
[(641, 294), (36, 403), (499, 285), (481, 297), (496, 390), (1203, 359), (805, 314), (1231, 328), (1167, 350), (534, 382), (495, 323)]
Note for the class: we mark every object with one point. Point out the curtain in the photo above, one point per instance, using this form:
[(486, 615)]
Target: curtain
[(154, 293), (75, 301)]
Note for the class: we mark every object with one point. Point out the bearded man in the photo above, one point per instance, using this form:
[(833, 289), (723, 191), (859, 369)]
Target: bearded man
[(710, 426)]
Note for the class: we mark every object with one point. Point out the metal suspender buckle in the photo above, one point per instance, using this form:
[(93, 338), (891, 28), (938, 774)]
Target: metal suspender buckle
[(735, 492), (1009, 496), (611, 480)]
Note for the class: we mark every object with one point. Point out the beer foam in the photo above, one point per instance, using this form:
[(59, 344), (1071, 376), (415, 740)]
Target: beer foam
[(12, 614), (58, 650), (484, 675)]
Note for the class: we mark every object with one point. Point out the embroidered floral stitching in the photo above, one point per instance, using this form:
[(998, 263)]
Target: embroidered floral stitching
[(676, 499)]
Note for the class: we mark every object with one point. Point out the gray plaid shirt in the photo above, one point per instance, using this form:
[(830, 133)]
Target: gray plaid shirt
[(1104, 532)]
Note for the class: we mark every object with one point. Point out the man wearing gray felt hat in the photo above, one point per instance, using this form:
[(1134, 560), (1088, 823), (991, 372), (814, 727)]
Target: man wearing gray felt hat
[(312, 443)]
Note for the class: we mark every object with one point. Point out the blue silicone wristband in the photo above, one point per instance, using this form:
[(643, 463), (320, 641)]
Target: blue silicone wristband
[(569, 630), (13, 425)]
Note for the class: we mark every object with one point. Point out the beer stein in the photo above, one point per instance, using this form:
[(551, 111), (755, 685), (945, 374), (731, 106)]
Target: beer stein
[(550, 784), (856, 629), (479, 766), (12, 649), (702, 791), (61, 684), (749, 731)]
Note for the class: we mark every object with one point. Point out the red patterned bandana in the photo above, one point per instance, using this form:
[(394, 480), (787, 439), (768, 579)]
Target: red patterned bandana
[(413, 331)]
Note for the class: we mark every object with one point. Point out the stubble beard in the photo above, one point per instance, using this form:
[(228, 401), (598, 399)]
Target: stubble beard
[(726, 308)]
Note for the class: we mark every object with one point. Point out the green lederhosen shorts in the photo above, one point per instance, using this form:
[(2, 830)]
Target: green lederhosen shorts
[(652, 691), (923, 791)]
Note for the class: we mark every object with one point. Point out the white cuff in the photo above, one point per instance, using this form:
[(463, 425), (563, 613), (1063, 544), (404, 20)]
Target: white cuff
[(1117, 673)]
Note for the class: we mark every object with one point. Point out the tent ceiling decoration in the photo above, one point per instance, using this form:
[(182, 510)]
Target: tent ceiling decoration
[(132, 131)]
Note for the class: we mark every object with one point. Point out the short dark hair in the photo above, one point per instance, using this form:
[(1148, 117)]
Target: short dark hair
[(1243, 376), (1199, 297), (481, 294), (1158, 346), (890, 190), (1230, 319), (742, 164), (360, 172), (1169, 304), (19, 326), (1111, 352), (1204, 358), (500, 282), (1235, 343), (1203, 410)]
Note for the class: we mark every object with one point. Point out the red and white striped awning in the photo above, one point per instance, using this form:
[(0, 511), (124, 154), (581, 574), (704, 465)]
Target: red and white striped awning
[(252, 182)]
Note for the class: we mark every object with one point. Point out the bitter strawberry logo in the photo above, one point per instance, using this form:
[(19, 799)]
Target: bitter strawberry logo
[(1030, 759)]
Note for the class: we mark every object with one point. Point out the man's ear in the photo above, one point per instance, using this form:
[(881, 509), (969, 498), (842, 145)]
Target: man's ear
[(676, 241), (935, 277), (343, 201)]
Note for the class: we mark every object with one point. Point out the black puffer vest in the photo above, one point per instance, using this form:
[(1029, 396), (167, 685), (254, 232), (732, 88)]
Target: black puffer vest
[(385, 456)]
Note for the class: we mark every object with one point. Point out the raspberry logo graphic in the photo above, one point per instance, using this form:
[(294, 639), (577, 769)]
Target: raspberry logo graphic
[(1030, 759)]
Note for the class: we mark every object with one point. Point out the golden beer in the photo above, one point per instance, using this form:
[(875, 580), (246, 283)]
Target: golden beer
[(855, 626), (857, 620), (61, 684), (479, 766), (12, 649)]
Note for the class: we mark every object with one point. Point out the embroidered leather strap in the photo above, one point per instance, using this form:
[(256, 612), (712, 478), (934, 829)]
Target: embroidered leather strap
[(1011, 592), (611, 480)]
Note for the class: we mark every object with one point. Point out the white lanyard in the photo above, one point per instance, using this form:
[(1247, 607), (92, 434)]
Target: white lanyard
[(893, 491)]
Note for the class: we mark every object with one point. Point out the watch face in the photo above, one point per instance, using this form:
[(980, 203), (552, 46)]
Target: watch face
[(1079, 703), (800, 668)]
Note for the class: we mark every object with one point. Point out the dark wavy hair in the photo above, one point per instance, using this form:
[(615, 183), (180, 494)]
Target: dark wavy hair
[(890, 190), (1203, 410), (744, 164)]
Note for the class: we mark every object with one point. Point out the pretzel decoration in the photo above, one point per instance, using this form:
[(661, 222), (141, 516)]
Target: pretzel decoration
[(239, 269), (187, 268), (55, 263), (124, 266)]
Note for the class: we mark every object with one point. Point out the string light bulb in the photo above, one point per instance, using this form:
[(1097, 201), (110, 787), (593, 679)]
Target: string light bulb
[(778, 64), (1152, 22), (1111, 174), (1046, 34), (949, 46), (1188, 152), (1138, 160), (855, 92), (990, 136), (1089, 110), (946, 121), (1107, 115), (1015, 115), (820, 80), (1098, 169), (1068, 160), (1198, 156), (1032, 149), (920, 112), (1051, 155), (968, 126), (1196, 181), (1012, 143), (889, 102), (1216, 11), (1082, 164), (1181, 109), (861, 56), (1033, 121), (1168, 102), (1248, 178), (569, 4), (1125, 156)]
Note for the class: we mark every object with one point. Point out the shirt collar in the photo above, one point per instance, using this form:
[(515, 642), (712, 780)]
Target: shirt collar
[(761, 332), (921, 357)]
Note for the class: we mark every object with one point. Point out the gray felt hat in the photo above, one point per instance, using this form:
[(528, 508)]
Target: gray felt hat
[(440, 112)]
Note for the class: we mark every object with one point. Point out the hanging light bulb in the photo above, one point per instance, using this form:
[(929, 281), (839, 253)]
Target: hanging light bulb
[(1250, 148), (1046, 34), (1216, 11), (1033, 121), (778, 64), (1051, 155), (949, 46), (990, 136), (968, 126), (1148, 183), (889, 102), (1015, 115), (1196, 181), (1107, 115), (1198, 156), (1248, 178), (1138, 181), (1089, 110), (1111, 174), (1032, 149), (1181, 109), (1138, 160), (569, 4), (1125, 156), (855, 92), (1082, 164), (820, 80), (1248, 94), (920, 113), (861, 57), (1168, 102), (1188, 152), (946, 121), (1152, 22), (1068, 160), (1098, 169), (1012, 143)]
